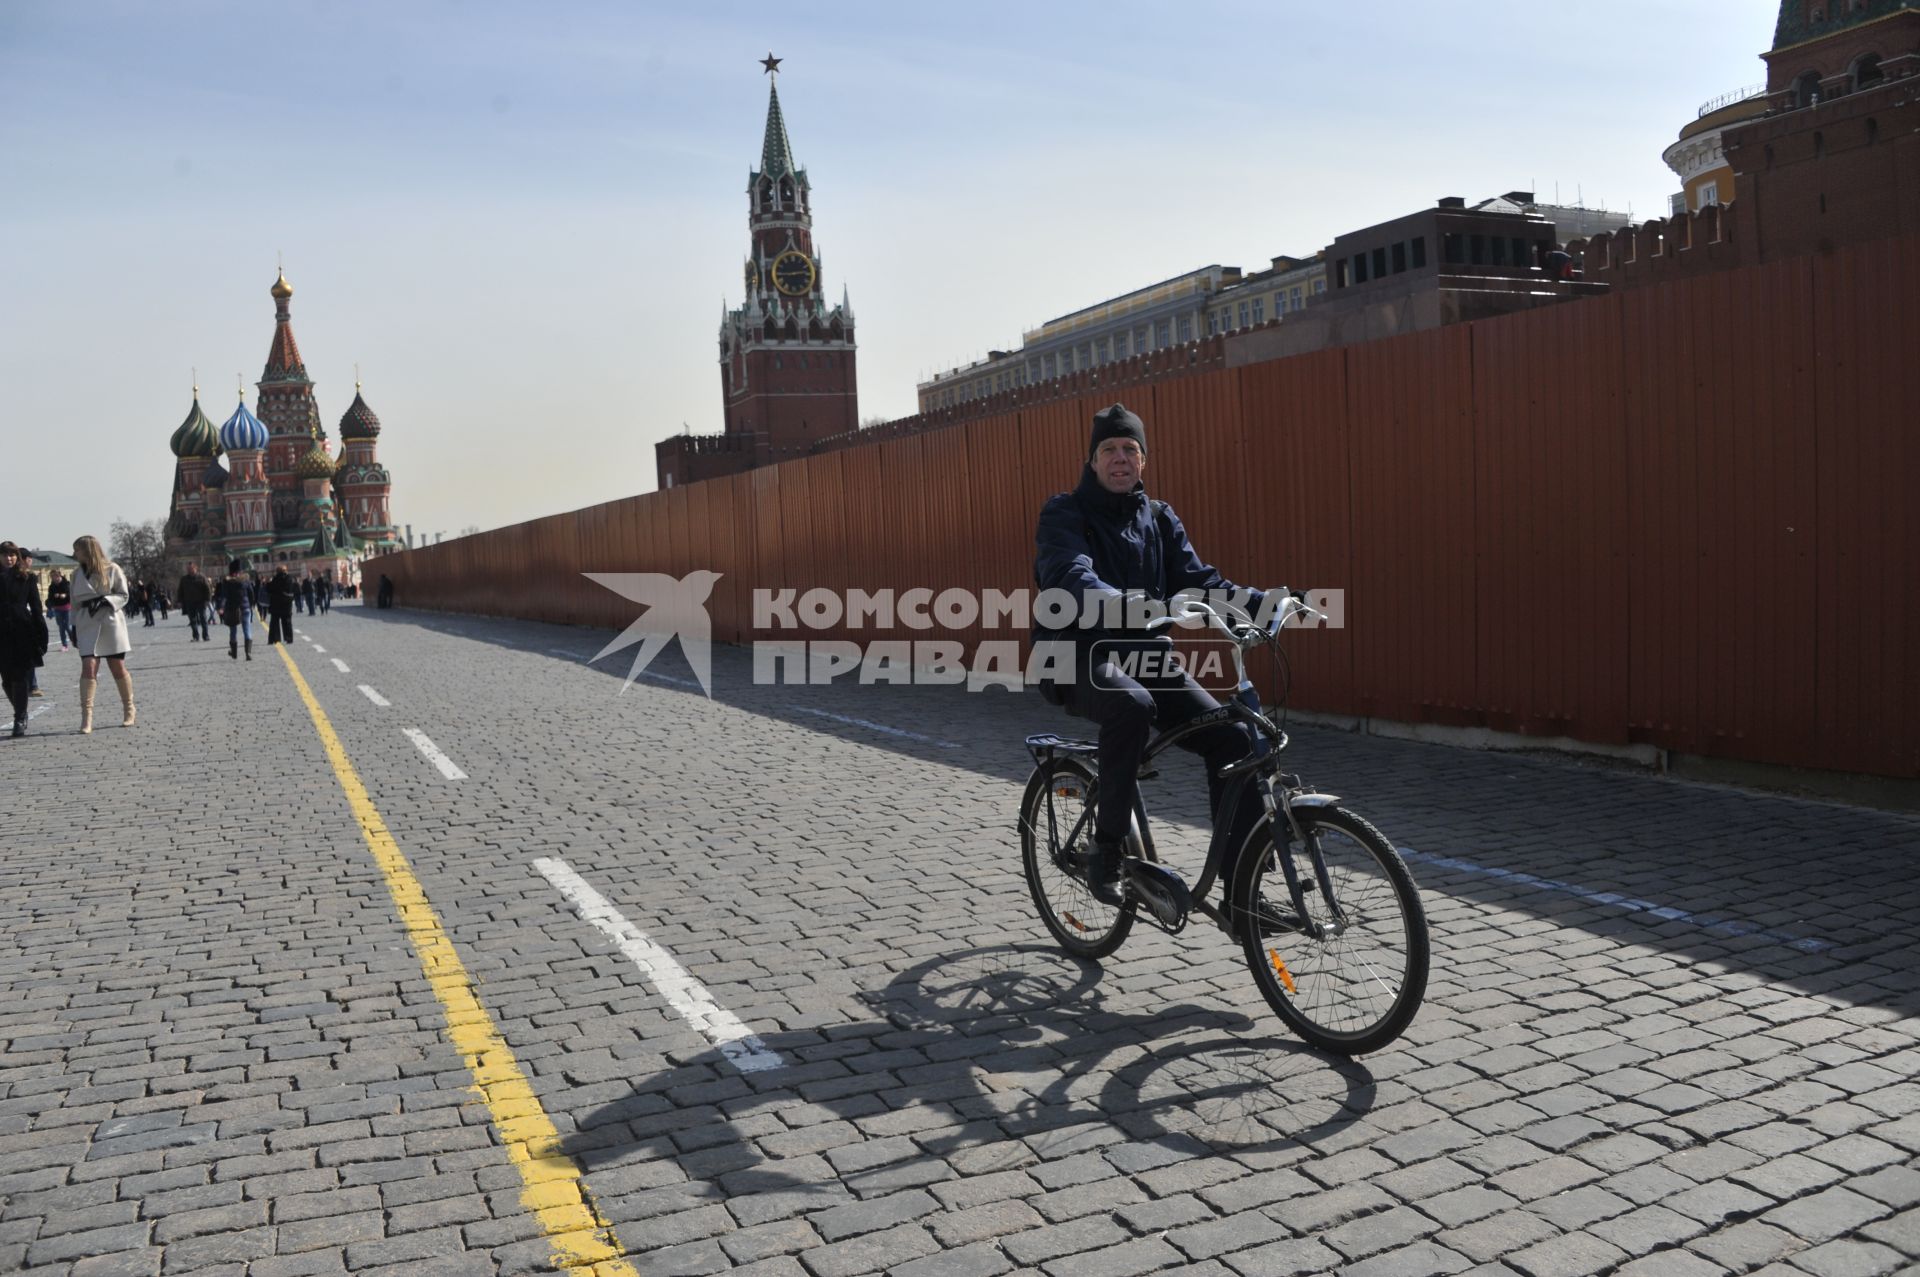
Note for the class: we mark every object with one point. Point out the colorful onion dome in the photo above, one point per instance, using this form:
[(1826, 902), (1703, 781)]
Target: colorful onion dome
[(359, 421), (316, 464), (214, 476), (281, 289), (195, 437), (243, 431)]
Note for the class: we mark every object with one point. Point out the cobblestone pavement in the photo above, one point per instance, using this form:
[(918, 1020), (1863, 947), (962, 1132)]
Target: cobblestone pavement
[(1671, 1028)]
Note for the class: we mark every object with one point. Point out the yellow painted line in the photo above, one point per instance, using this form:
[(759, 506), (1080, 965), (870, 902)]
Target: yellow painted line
[(582, 1239)]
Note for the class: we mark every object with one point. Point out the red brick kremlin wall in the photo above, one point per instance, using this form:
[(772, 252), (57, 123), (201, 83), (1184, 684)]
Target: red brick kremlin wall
[(1682, 515)]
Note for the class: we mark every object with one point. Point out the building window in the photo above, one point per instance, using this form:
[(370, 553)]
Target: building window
[(1499, 249), (1046, 367), (1450, 249), (1213, 323), (1259, 311), (1162, 334), (1106, 350), (1419, 251), (1709, 193), (1140, 339), (1399, 257), (1477, 249), (1120, 348), (1243, 315), (1867, 71), (1319, 286), (1806, 89), (1379, 263), (1185, 329), (1359, 268)]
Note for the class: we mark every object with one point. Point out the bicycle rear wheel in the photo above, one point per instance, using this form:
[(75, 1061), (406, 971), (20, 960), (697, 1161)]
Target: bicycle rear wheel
[(1060, 792), (1347, 992)]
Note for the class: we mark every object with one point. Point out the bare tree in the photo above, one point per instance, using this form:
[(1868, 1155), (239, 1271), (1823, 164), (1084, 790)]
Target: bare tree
[(139, 548)]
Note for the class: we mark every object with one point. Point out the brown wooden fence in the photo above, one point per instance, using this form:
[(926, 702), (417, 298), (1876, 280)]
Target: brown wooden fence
[(1683, 515)]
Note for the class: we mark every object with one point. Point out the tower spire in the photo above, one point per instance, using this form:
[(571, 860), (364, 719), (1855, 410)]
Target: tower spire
[(776, 152)]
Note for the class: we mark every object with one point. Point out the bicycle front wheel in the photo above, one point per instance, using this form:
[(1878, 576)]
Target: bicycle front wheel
[(1060, 797), (1355, 986)]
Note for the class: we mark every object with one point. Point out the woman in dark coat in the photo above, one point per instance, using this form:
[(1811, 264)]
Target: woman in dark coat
[(23, 632)]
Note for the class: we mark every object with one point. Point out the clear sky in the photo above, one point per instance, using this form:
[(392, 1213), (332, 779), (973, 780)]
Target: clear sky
[(521, 220)]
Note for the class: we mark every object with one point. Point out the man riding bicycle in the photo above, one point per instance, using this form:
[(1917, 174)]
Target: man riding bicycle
[(1101, 542)]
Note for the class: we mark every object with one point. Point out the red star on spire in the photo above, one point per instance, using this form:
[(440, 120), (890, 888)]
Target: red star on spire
[(771, 63)]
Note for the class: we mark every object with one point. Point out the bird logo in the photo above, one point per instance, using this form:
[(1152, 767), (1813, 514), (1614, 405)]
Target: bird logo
[(676, 607)]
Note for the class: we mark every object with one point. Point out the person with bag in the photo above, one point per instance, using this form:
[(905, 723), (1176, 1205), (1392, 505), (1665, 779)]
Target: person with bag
[(234, 598), (281, 595), (60, 605), (100, 598), (194, 594), (23, 632)]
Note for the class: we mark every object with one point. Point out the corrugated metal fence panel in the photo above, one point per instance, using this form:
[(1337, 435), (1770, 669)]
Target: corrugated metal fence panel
[(769, 545), (1299, 506), (950, 552), (1867, 356), (1411, 602), (1663, 518), (1756, 411), (1005, 498), (1550, 495)]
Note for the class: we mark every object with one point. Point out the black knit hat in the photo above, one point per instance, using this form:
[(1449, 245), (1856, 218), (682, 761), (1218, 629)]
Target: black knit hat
[(1117, 423)]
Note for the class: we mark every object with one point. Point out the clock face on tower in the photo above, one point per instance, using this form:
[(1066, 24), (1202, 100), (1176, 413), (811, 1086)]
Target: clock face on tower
[(793, 273)]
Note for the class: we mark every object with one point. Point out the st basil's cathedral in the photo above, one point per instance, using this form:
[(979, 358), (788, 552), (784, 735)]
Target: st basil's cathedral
[(280, 497)]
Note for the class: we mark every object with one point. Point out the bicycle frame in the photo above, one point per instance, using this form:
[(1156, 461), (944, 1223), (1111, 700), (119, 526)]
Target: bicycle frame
[(1260, 768)]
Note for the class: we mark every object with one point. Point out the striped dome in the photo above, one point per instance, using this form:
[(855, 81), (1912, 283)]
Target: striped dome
[(214, 476), (243, 431), (195, 437)]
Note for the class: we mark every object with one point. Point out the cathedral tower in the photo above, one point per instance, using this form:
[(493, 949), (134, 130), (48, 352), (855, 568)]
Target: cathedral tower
[(292, 418), (786, 356)]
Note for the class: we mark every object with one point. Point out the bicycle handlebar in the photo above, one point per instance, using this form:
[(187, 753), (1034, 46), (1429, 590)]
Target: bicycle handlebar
[(1233, 622)]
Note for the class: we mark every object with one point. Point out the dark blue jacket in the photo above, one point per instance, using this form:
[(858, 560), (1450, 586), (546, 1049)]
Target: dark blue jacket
[(1097, 544), (235, 592)]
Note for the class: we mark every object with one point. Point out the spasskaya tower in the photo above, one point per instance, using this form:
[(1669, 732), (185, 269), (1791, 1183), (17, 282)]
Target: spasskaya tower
[(786, 355)]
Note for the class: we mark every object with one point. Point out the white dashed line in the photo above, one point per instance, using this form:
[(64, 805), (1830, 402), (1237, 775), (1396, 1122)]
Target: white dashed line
[(340, 665), (434, 756), (742, 1047), (880, 727), (375, 697), (40, 709), (317, 647)]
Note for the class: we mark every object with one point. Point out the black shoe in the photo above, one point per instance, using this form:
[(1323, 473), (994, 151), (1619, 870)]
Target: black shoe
[(1103, 873), (19, 727)]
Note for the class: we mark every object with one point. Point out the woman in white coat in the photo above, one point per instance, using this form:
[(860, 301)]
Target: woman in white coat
[(100, 626)]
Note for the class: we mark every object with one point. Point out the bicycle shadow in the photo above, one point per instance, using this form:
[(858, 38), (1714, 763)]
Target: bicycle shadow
[(1004, 1057)]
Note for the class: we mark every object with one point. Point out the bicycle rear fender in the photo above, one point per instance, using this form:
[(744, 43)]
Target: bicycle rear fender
[(1045, 745)]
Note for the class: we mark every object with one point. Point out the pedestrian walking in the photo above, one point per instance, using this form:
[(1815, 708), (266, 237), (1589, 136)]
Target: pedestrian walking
[(100, 598), (306, 594), (195, 594), (324, 590), (23, 632), (281, 593), (33, 674), (385, 597), (234, 597), (60, 605), (143, 600), (162, 600)]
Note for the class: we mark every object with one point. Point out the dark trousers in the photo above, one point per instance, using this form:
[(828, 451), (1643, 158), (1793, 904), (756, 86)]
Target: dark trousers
[(197, 621), (1127, 711), (280, 627), (18, 683)]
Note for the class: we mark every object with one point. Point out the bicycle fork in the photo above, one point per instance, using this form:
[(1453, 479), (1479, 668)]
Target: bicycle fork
[(1287, 828)]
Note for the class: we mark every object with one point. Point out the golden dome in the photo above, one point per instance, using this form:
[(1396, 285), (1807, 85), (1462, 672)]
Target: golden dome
[(281, 288)]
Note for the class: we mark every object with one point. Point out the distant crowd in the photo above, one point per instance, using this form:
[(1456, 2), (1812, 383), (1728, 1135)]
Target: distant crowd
[(90, 612)]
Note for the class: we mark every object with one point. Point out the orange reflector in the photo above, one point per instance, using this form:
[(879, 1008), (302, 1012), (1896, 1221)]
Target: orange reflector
[(1286, 977), (1074, 922), (1066, 793)]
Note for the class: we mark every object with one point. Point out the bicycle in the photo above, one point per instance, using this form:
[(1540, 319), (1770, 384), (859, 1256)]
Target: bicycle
[(1335, 934)]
